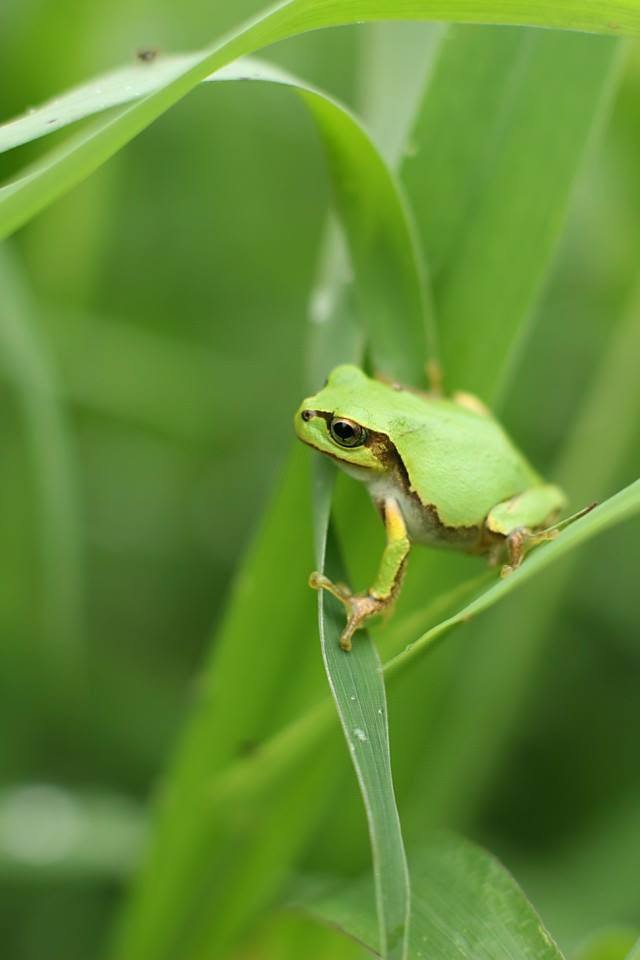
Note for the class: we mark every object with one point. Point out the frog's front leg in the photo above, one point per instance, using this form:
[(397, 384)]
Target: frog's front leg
[(361, 606)]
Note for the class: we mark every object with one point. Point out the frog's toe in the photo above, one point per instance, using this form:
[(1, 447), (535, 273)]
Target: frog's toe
[(360, 608), (519, 542), (516, 542), (339, 590)]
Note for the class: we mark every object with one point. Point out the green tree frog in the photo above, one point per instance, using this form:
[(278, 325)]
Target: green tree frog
[(440, 471)]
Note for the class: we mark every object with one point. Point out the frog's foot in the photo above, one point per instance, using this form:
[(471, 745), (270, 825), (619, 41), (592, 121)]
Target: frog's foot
[(359, 606), (519, 542), (434, 375), (470, 402)]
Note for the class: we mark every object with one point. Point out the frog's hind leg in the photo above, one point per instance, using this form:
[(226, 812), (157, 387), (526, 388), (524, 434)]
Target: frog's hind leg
[(523, 521)]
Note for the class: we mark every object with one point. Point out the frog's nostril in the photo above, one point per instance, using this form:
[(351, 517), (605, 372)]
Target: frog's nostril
[(306, 414)]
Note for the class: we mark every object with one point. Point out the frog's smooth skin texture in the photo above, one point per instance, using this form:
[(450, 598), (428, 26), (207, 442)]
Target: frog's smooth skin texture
[(440, 471)]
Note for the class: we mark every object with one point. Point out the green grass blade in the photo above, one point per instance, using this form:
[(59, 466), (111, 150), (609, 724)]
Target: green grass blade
[(115, 88), (465, 906), (357, 687), (490, 172)]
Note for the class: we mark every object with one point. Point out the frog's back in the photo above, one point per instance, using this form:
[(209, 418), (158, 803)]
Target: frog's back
[(461, 462)]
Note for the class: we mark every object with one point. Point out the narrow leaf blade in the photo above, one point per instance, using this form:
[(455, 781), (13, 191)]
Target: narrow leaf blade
[(357, 687)]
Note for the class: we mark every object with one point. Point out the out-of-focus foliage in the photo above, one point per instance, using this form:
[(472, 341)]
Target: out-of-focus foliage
[(155, 341)]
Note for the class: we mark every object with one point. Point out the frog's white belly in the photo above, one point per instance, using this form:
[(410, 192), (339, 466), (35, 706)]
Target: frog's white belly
[(423, 523)]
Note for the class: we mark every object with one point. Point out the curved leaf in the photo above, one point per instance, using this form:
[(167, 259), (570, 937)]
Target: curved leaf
[(390, 284), (52, 177)]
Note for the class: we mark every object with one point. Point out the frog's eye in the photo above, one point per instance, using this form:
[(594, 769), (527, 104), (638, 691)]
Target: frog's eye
[(347, 433)]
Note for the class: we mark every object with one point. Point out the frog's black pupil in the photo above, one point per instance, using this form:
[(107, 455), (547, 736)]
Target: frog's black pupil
[(343, 430), (347, 433)]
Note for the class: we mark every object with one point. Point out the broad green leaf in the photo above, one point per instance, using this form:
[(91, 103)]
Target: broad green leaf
[(489, 172), (112, 89), (357, 687), (396, 63), (465, 906)]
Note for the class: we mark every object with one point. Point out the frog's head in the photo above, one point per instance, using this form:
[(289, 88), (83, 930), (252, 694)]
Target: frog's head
[(337, 422)]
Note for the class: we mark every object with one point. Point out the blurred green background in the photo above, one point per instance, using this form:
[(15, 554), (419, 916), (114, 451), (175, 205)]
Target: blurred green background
[(168, 297)]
